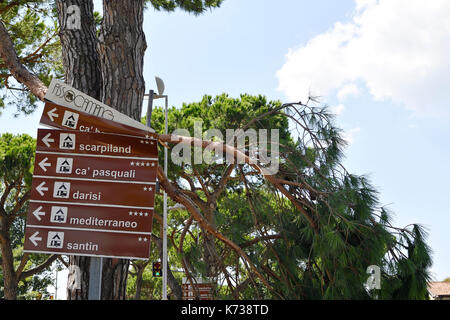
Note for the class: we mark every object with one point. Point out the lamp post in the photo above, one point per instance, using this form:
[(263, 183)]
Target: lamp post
[(152, 96)]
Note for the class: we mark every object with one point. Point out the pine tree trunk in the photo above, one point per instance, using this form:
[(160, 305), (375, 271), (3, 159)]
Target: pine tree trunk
[(122, 47), (9, 275), (139, 282), (209, 247), (114, 279), (171, 280), (140, 268), (79, 48), (108, 68)]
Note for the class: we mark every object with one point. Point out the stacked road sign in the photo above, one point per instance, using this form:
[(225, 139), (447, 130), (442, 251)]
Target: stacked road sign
[(94, 181)]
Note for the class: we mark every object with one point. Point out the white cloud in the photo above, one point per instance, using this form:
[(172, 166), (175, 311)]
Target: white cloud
[(337, 110), (349, 135), (399, 49), (347, 91)]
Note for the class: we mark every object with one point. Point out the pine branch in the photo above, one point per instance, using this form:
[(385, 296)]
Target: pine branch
[(17, 69), (39, 268), (179, 197)]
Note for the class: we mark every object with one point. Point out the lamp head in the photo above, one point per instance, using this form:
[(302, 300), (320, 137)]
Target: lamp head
[(160, 85)]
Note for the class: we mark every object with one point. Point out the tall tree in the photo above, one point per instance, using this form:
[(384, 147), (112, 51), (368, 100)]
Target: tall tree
[(107, 66), (307, 230), (16, 163)]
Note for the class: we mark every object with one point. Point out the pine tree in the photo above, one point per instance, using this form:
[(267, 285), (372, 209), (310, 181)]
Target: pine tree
[(106, 64)]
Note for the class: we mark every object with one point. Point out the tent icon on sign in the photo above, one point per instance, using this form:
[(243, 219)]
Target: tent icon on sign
[(59, 214), (70, 119), (64, 165), (67, 141), (55, 239)]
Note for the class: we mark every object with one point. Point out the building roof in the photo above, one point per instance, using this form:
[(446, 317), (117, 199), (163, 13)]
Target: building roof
[(439, 288)]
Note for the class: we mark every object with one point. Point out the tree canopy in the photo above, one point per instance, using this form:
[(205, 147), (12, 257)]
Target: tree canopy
[(307, 230), (33, 28)]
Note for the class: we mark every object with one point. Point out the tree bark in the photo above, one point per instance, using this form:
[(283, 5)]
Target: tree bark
[(17, 69), (82, 71), (114, 279), (209, 246), (139, 267), (171, 281), (122, 47), (139, 282), (79, 48), (9, 275)]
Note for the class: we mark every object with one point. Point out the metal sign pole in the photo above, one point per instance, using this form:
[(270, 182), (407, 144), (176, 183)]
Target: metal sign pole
[(164, 271), (152, 96), (150, 108), (95, 278)]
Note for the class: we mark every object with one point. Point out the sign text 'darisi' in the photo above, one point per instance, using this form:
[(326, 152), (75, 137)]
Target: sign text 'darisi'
[(91, 193), (87, 243), (65, 95), (113, 193), (82, 166), (95, 144), (90, 217)]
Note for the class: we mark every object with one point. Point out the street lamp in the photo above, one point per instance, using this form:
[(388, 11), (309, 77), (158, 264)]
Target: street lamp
[(177, 206), (152, 96)]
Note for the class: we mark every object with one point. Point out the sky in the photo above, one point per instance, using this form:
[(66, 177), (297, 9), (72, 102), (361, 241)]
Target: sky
[(382, 66)]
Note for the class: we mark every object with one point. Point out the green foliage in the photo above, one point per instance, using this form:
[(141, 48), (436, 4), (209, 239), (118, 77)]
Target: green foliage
[(221, 112), (194, 6), (315, 245), (34, 286), (300, 261), (16, 166), (16, 158)]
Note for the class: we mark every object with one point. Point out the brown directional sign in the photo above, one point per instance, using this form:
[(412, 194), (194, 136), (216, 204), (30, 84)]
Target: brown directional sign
[(87, 242), (92, 191), (56, 214), (205, 291), (99, 145), (93, 187), (57, 116), (115, 169)]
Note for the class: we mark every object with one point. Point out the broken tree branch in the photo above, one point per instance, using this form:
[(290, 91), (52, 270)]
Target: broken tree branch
[(17, 69)]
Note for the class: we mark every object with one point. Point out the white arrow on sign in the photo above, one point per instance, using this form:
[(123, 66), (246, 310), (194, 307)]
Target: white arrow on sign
[(34, 238), (52, 114), (38, 213), (43, 164), (47, 140), (40, 188)]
